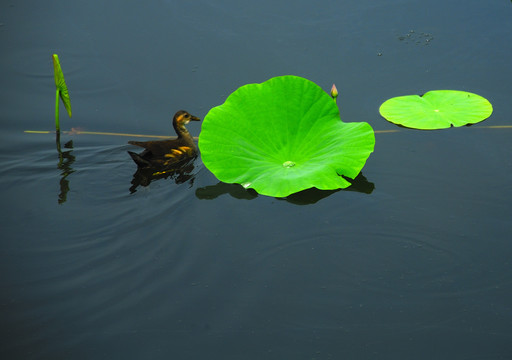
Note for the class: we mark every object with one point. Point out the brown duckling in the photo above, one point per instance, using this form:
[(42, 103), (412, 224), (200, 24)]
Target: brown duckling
[(162, 153)]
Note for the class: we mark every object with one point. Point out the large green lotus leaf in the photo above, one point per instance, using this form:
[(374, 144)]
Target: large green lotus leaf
[(283, 136), (438, 109)]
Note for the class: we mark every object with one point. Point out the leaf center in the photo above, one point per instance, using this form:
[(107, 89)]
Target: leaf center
[(288, 164)]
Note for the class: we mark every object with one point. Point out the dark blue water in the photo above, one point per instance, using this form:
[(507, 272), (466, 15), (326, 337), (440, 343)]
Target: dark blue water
[(411, 262)]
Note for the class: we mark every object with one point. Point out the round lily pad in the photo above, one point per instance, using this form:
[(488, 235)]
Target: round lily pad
[(283, 136), (438, 109)]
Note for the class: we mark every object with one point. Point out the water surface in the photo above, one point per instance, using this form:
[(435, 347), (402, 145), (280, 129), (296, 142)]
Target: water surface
[(413, 262)]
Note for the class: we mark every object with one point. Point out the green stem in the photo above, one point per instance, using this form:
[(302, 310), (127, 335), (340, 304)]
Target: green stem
[(57, 125)]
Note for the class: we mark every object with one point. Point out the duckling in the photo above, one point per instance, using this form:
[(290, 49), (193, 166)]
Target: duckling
[(162, 153)]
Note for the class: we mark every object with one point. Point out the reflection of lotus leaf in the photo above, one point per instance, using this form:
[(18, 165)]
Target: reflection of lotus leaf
[(283, 136), (437, 109)]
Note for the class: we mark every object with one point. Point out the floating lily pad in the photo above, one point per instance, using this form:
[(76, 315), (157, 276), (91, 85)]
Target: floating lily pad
[(438, 109), (283, 136)]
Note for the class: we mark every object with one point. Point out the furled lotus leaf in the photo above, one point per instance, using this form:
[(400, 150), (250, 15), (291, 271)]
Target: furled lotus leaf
[(60, 83), (438, 109), (283, 136)]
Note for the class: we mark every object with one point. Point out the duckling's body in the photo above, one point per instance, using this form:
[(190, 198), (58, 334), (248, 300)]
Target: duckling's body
[(164, 153)]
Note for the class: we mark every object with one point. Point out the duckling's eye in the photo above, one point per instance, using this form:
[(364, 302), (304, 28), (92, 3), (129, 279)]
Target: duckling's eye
[(187, 116)]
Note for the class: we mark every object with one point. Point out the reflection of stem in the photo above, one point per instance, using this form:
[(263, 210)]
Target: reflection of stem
[(64, 164), (57, 140), (57, 125)]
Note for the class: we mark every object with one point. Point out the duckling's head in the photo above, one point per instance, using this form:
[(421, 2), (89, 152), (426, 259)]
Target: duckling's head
[(182, 118)]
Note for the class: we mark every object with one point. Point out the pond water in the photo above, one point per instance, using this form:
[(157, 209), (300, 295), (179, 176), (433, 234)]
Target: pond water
[(413, 261)]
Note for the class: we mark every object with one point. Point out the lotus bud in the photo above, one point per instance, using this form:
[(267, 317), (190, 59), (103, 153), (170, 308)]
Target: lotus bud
[(334, 92)]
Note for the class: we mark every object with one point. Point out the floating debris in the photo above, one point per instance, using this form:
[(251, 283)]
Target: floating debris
[(416, 38)]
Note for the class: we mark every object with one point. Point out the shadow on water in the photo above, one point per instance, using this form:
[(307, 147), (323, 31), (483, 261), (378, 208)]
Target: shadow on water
[(66, 159), (180, 173), (235, 190), (305, 197)]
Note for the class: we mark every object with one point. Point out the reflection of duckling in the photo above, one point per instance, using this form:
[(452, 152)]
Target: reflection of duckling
[(162, 153)]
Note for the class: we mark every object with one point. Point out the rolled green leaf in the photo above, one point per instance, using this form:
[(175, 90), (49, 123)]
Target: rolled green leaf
[(62, 90)]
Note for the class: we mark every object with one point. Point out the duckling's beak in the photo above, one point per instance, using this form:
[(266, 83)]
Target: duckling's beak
[(194, 118)]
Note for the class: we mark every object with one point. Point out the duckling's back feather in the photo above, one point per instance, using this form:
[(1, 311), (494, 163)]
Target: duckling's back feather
[(160, 147)]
